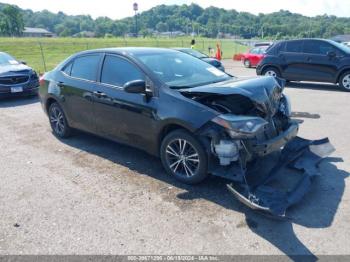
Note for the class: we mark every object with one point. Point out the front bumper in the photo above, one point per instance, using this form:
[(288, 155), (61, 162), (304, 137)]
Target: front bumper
[(269, 188), (267, 147), (30, 88)]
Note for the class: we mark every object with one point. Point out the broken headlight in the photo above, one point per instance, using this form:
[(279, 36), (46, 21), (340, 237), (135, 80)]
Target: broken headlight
[(240, 126)]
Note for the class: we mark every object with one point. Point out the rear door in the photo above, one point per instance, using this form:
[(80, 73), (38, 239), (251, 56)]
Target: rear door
[(119, 115), (319, 64), (77, 89), (293, 60)]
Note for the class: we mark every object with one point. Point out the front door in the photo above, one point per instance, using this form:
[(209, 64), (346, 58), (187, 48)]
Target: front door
[(320, 64)]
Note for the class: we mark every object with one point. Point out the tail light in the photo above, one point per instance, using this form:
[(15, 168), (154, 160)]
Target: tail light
[(41, 80)]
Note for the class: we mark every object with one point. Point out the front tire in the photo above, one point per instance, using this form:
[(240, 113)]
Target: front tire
[(271, 71), (184, 157), (58, 121), (344, 81)]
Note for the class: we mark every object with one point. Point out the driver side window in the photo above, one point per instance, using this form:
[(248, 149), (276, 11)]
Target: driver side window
[(118, 71)]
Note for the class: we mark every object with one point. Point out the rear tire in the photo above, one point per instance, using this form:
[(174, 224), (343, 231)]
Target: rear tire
[(58, 121), (271, 71), (247, 63), (344, 81), (184, 157)]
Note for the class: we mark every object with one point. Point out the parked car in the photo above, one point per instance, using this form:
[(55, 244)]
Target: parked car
[(16, 78), (253, 57), (347, 44), (308, 60), (196, 118), (204, 57)]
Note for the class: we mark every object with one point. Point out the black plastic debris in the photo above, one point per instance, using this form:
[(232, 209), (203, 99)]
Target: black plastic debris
[(268, 188)]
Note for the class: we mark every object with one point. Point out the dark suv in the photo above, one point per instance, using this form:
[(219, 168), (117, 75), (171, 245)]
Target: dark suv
[(308, 60)]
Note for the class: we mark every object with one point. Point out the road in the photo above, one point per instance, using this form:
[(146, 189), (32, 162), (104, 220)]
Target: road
[(87, 195)]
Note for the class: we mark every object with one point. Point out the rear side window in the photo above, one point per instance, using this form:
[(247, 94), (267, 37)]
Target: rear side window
[(118, 71), (254, 51), (67, 69), (86, 67), (275, 48), (317, 47), (294, 46)]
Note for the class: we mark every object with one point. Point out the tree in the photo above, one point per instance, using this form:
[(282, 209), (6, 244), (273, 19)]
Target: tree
[(11, 21), (162, 27)]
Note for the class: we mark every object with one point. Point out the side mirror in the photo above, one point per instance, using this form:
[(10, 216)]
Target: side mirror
[(135, 87), (331, 54)]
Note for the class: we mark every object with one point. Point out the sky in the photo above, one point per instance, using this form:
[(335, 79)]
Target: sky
[(117, 9)]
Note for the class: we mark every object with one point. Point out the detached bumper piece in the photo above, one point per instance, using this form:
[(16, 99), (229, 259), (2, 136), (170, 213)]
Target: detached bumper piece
[(269, 185)]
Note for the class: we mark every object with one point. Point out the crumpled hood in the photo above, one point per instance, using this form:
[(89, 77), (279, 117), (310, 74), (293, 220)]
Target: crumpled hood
[(6, 70), (265, 92)]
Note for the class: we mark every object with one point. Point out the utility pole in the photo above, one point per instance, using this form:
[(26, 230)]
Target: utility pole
[(136, 8)]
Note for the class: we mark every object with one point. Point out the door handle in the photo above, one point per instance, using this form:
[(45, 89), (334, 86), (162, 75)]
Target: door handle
[(308, 59), (100, 94), (60, 84)]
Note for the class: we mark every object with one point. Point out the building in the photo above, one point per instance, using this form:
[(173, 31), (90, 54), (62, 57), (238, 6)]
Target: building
[(37, 32)]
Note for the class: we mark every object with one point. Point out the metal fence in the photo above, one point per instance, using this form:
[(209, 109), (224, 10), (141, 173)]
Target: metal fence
[(45, 54)]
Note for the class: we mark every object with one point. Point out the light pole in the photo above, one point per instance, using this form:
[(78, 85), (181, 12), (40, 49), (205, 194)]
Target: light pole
[(136, 8)]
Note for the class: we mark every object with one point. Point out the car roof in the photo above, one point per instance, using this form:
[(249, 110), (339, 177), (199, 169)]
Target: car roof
[(129, 50), (308, 39)]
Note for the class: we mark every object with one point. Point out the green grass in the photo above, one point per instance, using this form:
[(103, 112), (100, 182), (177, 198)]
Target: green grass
[(57, 49)]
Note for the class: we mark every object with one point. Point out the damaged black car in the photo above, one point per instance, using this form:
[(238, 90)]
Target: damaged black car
[(196, 118)]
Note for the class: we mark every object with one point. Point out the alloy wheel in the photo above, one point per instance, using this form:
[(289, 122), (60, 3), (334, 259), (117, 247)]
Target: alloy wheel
[(182, 158), (346, 81), (271, 73), (57, 120)]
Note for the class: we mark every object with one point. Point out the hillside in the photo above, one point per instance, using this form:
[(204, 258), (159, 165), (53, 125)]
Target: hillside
[(191, 18)]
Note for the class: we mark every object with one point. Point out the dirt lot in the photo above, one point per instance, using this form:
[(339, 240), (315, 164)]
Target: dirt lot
[(87, 195)]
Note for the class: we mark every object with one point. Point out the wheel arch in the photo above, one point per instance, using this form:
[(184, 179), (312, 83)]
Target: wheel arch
[(167, 129), (341, 72), (271, 65), (49, 102)]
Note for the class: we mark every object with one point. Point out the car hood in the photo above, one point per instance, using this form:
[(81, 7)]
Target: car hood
[(265, 92), (211, 61), (6, 70)]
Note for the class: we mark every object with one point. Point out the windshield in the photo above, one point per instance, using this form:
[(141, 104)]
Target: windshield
[(342, 47), (6, 59), (179, 70), (194, 53)]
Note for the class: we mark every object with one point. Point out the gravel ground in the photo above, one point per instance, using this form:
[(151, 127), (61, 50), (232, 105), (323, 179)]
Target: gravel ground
[(87, 195)]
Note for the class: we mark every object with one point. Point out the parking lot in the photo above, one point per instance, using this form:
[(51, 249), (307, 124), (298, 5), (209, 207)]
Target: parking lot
[(87, 195)]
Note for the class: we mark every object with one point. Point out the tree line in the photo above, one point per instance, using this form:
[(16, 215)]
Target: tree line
[(208, 22)]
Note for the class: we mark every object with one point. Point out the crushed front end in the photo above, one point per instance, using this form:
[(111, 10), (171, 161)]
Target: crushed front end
[(253, 138)]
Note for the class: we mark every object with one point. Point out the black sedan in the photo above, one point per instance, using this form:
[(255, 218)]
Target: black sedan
[(16, 79), (204, 57), (198, 119)]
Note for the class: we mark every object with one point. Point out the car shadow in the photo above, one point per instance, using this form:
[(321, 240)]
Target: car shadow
[(314, 86), (317, 210), (18, 101)]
